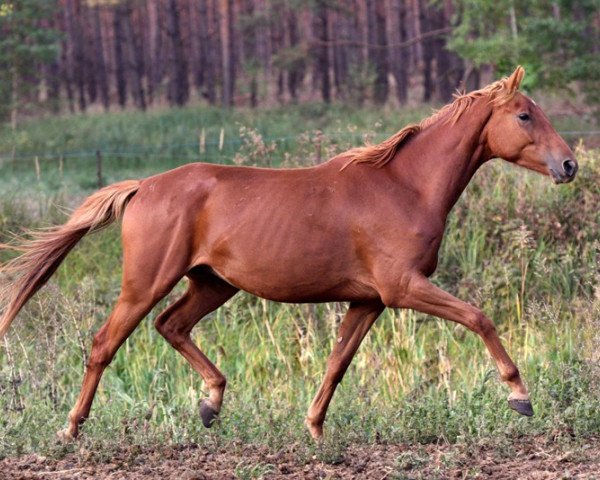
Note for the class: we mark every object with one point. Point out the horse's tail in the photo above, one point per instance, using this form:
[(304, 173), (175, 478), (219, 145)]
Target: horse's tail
[(46, 249)]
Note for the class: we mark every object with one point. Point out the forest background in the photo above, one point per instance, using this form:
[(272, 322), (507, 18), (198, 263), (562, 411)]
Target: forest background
[(78, 55)]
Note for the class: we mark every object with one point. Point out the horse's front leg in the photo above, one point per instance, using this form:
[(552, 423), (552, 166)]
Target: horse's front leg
[(421, 295), (356, 324)]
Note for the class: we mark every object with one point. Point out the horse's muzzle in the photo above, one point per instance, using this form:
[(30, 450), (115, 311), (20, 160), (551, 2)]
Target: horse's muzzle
[(566, 172)]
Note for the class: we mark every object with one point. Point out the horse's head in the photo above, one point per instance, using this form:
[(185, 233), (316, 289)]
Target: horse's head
[(519, 132)]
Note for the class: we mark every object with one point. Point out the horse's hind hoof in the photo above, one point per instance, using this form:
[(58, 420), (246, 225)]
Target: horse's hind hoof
[(521, 406), (208, 414), (65, 436), (316, 431)]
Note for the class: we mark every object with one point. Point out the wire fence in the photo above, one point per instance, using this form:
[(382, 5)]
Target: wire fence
[(199, 146), (93, 165), (202, 147)]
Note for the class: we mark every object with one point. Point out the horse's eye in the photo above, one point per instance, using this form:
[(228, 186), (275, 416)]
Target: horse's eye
[(523, 116)]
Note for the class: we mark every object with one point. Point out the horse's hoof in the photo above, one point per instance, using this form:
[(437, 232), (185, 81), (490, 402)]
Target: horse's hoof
[(65, 436), (316, 431), (521, 406), (208, 414)]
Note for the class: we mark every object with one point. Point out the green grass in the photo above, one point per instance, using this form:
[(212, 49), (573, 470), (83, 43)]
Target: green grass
[(524, 250)]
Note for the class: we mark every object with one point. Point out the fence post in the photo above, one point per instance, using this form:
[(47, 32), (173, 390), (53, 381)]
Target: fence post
[(318, 142), (99, 168), (202, 141), (221, 139), (37, 168)]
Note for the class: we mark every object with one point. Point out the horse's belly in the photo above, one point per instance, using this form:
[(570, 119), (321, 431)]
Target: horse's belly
[(297, 279), (349, 290)]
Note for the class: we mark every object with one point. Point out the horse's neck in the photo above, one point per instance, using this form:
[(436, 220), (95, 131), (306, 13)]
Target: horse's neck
[(441, 160)]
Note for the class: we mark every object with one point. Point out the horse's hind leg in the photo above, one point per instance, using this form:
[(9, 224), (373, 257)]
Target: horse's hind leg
[(130, 309), (356, 324), (205, 293), (147, 277)]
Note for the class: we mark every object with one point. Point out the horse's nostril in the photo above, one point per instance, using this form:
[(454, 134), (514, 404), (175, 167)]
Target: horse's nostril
[(570, 167)]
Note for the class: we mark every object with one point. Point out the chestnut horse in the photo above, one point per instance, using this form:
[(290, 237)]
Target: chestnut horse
[(364, 227)]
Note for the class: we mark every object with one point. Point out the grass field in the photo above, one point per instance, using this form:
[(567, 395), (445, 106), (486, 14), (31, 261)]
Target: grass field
[(524, 250)]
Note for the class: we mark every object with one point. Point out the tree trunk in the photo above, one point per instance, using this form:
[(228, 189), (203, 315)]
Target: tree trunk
[(178, 71), (228, 49), (472, 79), (399, 56), (442, 59), (428, 52), (277, 42), (80, 60), (155, 54), (53, 81), (133, 55), (66, 75), (341, 32), (216, 46), (206, 53), (89, 53), (449, 67), (100, 70), (197, 60), (294, 68), (75, 54), (250, 60), (358, 65), (415, 14), (119, 60), (52, 76), (377, 51), (321, 50)]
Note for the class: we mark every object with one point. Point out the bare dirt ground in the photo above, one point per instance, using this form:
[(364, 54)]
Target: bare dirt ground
[(528, 458)]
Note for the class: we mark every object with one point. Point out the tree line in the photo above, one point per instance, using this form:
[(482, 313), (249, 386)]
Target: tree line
[(75, 54)]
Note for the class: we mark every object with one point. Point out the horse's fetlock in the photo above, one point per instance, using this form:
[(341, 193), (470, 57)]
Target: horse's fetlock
[(510, 374), (218, 384), (222, 383), (315, 429), (73, 418), (313, 420)]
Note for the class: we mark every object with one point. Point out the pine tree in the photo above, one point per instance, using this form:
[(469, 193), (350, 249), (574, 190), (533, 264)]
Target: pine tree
[(24, 46)]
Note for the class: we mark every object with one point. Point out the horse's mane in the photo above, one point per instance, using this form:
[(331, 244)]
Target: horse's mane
[(380, 154)]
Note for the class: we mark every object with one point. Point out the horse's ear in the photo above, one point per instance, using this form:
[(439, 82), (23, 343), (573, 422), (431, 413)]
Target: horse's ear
[(513, 82)]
